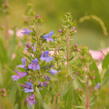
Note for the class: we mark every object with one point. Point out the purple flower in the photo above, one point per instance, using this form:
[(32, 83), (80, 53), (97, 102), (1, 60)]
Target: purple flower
[(34, 65), (19, 75), (43, 84), (26, 31), (28, 87), (97, 55), (34, 47), (74, 29), (31, 100), (28, 45), (45, 56), (23, 63), (60, 30), (105, 51), (46, 77), (98, 85), (19, 33), (48, 37), (53, 72), (40, 84)]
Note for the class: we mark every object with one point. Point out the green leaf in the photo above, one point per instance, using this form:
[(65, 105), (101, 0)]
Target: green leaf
[(95, 74), (70, 97), (3, 53), (106, 62), (40, 100), (106, 77)]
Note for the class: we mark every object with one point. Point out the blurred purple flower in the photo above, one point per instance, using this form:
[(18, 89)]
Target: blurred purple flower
[(19, 75), (40, 84), (23, 63), (60, 30), (43, 84), (46, 77), (28, 87), (34, 65), (45, 56), (74, 29), (98, 85), (105, 51), (26, 31), (19, 33), (28, 45), (48, 37), (53, 72), (31, 100), (11, 32), (97, 55), (34, 47)]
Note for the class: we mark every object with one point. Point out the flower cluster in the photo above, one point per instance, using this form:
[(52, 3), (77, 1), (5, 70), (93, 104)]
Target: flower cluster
[(48, 37), (82, 70), (19, 75), (33, 67)]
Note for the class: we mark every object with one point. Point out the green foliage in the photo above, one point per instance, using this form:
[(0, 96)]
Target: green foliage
[(74, 87), (3, 54), (106, 62)]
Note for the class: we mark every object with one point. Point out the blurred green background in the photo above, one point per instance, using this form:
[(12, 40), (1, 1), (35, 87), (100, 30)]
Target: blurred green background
[(89, 33)]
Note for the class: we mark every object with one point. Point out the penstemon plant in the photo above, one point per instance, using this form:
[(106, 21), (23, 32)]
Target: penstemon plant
[(55, 73)]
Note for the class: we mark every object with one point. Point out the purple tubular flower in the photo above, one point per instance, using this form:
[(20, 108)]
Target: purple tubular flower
[(28, 45), (28, 87), (23, 63), (31, 100), (26, 31), (60, 30), (43, 84), (53, 72), (15, 77), (98, 85), (48, 37), (34, 47), (96, 55), (34, 65), (19, 75), (40, 84), (46, 77), (45, 56)]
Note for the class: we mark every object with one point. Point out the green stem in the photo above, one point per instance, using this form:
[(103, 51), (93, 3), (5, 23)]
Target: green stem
[(68, 52), (87, 100)]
